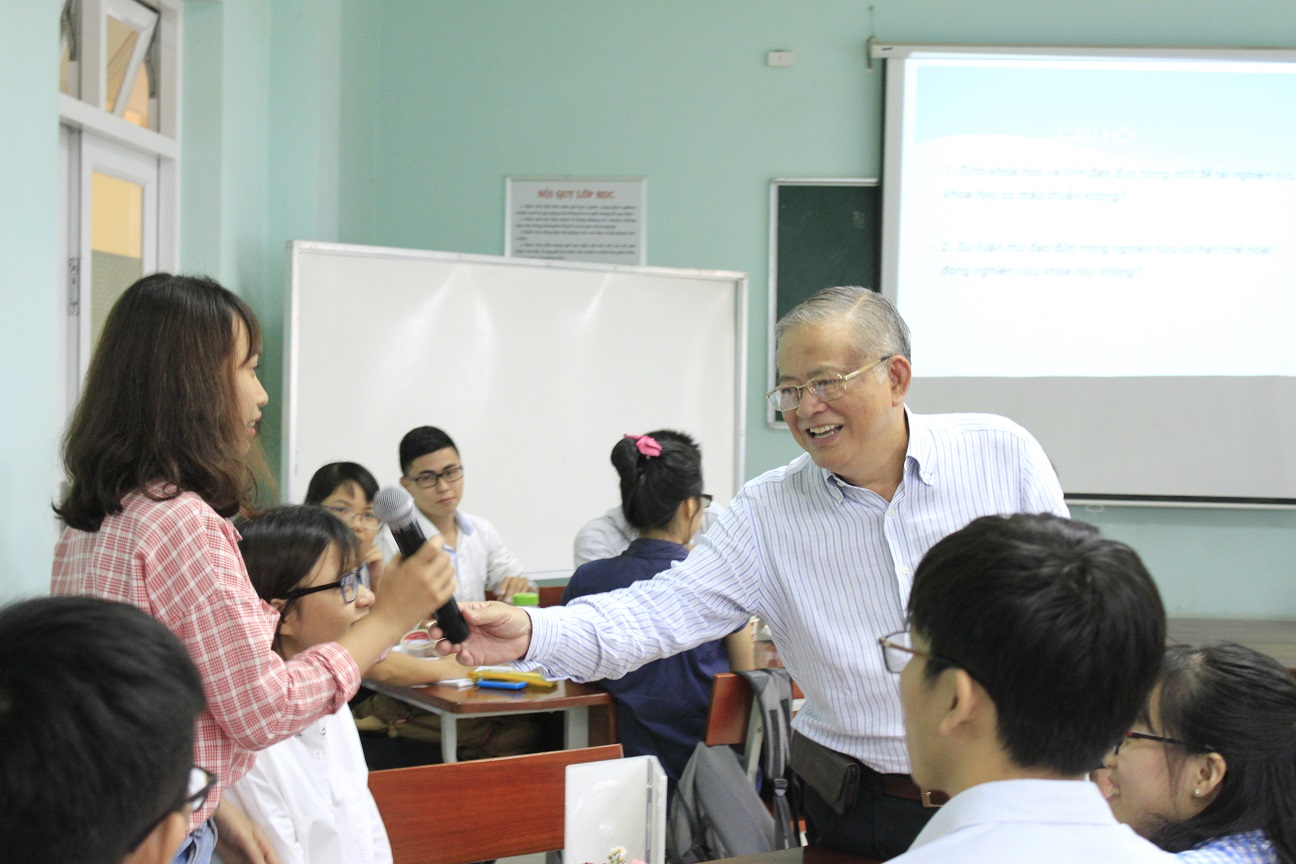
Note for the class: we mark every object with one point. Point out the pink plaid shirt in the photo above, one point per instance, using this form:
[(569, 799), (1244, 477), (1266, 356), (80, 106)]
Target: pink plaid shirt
[(179, 561)]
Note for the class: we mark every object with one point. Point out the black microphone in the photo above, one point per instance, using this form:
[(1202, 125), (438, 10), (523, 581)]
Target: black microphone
[(395, 508)]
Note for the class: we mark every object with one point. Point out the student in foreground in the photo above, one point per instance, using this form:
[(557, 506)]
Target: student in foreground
[(1032, 646), (1209, 769), (309, 793), (97, 710)]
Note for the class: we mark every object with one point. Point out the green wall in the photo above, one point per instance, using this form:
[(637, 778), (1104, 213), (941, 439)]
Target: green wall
[(678, 92), (395, 122), (29, 294)]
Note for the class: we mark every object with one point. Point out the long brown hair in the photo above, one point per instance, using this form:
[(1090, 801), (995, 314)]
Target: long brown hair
[(159, 404)]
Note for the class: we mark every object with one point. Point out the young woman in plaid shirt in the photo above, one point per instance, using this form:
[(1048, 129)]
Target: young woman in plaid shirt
[(160, 454)]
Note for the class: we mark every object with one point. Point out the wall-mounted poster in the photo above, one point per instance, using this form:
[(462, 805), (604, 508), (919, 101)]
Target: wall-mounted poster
[(602, 220)]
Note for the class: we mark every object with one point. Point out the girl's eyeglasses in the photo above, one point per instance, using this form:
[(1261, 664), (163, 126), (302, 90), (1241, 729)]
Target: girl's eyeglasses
[(1148, 736), (349, 585)]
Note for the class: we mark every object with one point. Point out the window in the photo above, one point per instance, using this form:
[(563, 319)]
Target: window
[(118, 80)]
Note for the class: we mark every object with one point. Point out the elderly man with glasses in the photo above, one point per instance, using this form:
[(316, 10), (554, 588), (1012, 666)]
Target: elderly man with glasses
[(823, 549)]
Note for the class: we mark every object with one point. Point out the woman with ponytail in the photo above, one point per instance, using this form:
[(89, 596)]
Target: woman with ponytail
[(661, 707)]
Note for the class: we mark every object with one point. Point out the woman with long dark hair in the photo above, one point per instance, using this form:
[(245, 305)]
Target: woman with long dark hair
[(1209, 770), (159, 455)]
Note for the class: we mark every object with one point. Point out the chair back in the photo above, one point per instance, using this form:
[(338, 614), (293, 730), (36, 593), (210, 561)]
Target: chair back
[(479, 809), (730, 713)]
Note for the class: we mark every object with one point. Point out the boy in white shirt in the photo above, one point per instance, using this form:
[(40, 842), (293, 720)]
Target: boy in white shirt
[(1033, 643), (433, 473)]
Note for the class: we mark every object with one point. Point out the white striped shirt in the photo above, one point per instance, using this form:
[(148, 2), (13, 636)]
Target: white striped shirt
[(826, 564)]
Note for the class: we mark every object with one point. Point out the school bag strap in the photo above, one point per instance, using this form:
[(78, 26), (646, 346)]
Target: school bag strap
[(772, 697)]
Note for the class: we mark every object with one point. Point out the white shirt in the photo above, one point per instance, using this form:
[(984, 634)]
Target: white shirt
[(610, 534), (1027, 822), (479, 555), (826, 564), (310, 795)]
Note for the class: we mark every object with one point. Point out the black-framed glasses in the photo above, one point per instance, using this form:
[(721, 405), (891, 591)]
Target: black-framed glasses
[(351, 517), (349, 585), (706, 500), (197, 787), (897, 651), (1164, 739), (428, 479), (787, 397)]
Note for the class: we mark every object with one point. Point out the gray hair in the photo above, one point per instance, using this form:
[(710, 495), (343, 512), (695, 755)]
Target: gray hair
[(878, 327)]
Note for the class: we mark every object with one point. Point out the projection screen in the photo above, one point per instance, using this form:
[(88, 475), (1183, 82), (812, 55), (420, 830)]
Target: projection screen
[(1101, 245)]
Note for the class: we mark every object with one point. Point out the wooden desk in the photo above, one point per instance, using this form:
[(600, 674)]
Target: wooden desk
[(1275, 638), (451, 703), (800, 855)]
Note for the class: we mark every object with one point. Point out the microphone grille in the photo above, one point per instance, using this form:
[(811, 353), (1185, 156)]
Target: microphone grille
[(392, 504)]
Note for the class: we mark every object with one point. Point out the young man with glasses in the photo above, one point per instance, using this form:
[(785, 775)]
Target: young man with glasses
[(432, 472), (98, 703), (1032, 645), (823, 549)]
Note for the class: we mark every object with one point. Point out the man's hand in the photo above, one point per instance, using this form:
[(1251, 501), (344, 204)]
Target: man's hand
[(510, 585), (239, 840), (497, 633)]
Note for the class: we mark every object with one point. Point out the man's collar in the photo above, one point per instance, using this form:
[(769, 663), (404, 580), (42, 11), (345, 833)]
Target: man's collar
[(919, 450), (462, 525)]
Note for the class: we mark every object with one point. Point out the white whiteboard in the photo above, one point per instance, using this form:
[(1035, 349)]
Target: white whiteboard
[(534, 368)]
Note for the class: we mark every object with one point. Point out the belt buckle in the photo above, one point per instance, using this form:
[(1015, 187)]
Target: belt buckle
[(927, 799)]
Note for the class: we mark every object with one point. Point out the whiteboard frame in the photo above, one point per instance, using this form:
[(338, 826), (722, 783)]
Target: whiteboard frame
[(293, 484)]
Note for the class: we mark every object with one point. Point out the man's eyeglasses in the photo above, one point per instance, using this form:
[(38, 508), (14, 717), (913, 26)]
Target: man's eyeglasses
[(349, 585), (197, 788), (428, 479), (351, 517), (788, 396), (897, 651), (706, 499), (1148, 736)]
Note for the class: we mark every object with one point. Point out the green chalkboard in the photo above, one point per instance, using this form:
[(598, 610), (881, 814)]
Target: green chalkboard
[(822, 233), (827, 232)]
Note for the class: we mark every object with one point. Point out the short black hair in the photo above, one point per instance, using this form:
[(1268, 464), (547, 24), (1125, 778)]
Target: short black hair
[(328, 478), (421, 441), (282, 545), (1241, 704), (653, 487), (1063, 627), (97, 709)]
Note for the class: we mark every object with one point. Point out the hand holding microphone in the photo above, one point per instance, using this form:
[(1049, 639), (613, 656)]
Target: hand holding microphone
[(395, 508)]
